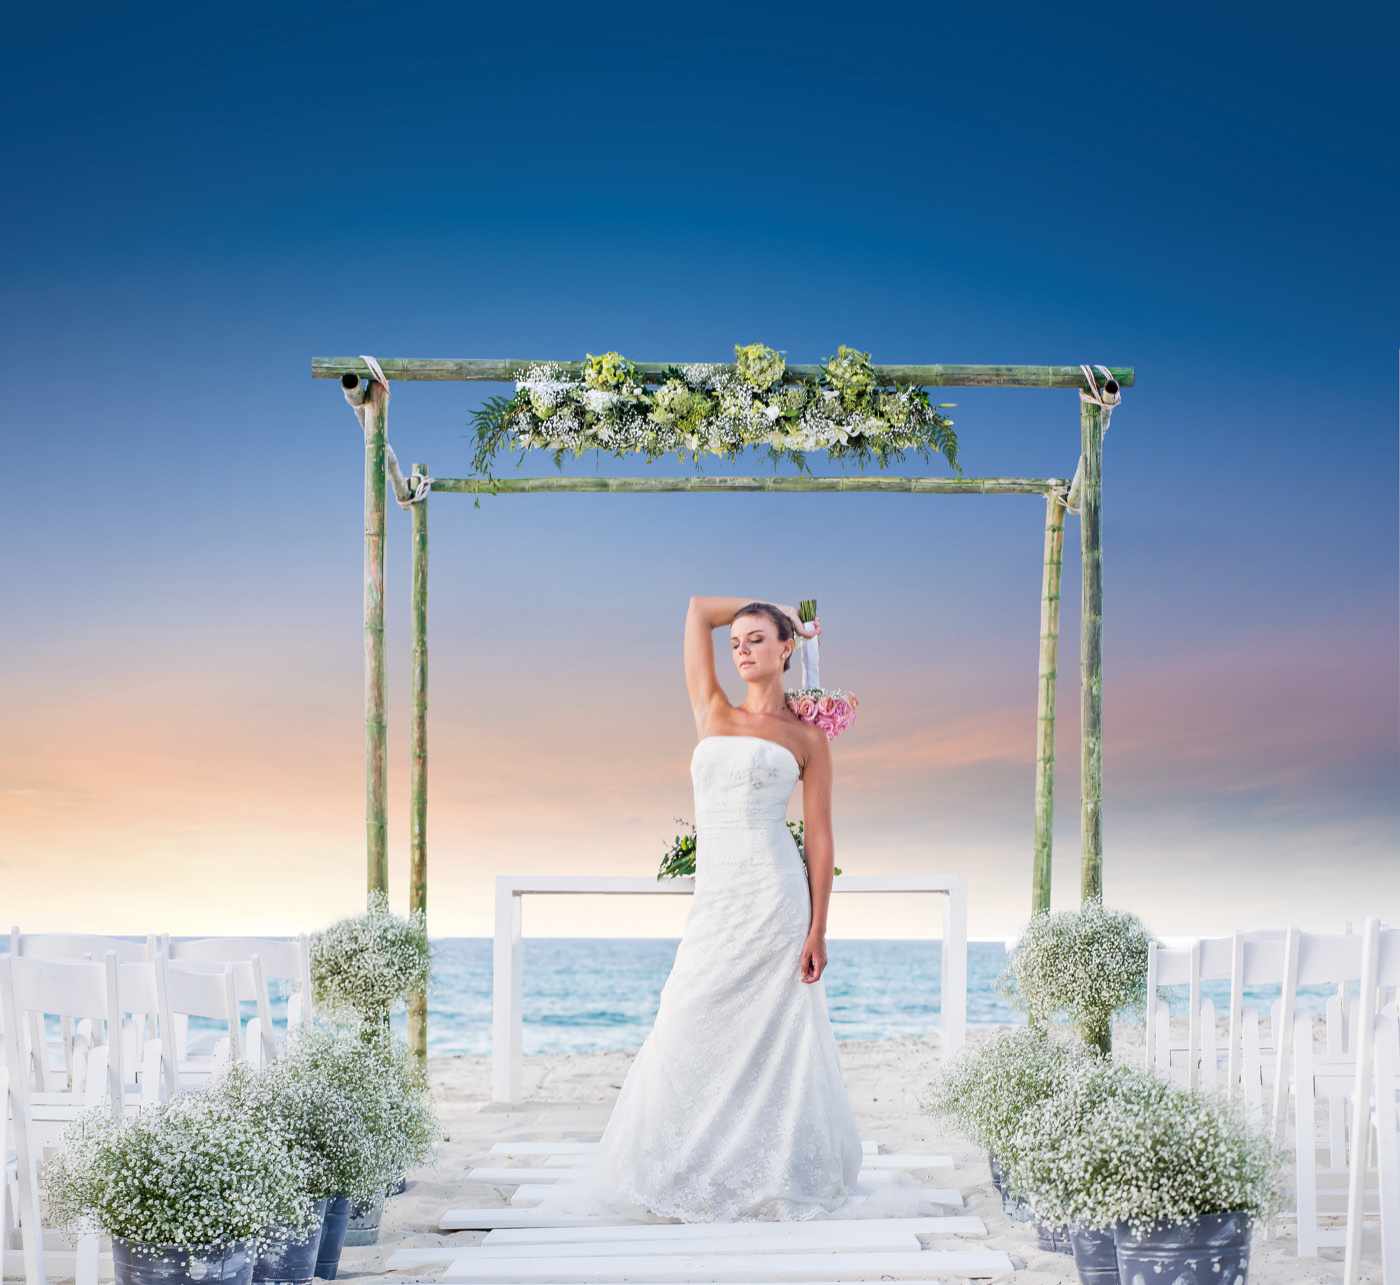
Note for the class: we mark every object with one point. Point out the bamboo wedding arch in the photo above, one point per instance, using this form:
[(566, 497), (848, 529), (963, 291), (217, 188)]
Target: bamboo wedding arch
[(365, 383)]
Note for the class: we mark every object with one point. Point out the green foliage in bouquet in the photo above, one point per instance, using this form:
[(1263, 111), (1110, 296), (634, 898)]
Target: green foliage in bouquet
[(1087, 963), (679, 858), (364, 964), (1117, 1144), (709, 408)]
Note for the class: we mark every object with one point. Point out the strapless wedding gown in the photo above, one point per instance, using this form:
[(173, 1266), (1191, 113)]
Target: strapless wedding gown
[(734, 1108)]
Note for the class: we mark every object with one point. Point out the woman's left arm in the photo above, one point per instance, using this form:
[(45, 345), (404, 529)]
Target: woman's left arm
[(820, 849)]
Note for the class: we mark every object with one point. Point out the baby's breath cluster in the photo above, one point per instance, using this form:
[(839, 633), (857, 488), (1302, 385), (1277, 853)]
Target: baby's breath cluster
[(1086, 963), (249, 1157), (709, 408), (986, 1089), (366, 963), (1117, 1144), (197, 1172)]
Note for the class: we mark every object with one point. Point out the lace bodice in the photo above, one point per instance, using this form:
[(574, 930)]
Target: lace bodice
[(741, 781)]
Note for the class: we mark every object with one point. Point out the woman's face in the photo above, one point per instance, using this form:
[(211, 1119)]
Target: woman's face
[(757, 650)]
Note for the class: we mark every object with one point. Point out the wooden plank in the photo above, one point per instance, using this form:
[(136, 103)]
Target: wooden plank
[(865, 1265), (775, 1241), (585, 1146), (531, 1193), (931, 1225), (512, 1216), (505, 370), (873, 1169), (798, 484)]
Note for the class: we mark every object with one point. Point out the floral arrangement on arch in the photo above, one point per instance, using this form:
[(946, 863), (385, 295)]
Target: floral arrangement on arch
[(849, 409), (679, 858)]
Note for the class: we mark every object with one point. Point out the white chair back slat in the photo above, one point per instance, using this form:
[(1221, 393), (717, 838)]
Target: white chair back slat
[(1387, 1059), (196, 989)]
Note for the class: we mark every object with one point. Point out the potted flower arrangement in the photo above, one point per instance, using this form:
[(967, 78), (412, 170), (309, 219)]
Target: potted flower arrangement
[(304, 1096), (1151, 1178), (361, 966), (986, 1090), (1087, 963), (405, 1127), (190, 1190)]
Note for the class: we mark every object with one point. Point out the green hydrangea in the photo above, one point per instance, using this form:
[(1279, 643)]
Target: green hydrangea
[(610, 371), (675, 405), (894, 409), (759, 366), (852, 376)]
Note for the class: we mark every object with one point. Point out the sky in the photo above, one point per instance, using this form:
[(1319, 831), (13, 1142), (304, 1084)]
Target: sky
[(198, 204)]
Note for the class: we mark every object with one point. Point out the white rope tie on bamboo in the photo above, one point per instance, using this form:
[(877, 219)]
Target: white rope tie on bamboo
[(417, 486), (1106, 401)]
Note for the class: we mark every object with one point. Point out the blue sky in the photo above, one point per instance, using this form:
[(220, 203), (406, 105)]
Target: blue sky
[(201, 200)]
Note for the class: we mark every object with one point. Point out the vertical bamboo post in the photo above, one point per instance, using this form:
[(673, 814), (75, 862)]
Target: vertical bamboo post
[(1053, 558), (418, 753), (376, 415), (1091, 652)]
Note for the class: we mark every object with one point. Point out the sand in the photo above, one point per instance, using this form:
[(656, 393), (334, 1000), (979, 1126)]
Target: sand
[(572, 1094)]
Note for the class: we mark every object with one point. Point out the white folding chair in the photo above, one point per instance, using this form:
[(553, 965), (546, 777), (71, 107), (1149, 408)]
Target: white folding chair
[(1196, 1063), (1380, 971), (1387, 1076), (88, 993), (61, 946), (197, 989), (256, 960)]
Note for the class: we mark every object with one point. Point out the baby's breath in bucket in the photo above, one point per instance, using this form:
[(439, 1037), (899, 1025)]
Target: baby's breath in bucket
[(1116, 1147), (198, 1184), (1086, 963)]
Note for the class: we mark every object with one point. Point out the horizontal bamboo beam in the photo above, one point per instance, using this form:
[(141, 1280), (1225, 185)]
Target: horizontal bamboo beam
[(650, 485), (935, 376)]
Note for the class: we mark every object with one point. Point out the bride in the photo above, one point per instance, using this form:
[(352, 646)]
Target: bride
[(734, 1108)]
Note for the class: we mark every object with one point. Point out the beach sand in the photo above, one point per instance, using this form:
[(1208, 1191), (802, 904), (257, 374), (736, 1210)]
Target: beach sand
[(571, 1095)]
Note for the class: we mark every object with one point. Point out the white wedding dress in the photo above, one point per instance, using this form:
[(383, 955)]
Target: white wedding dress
[(734, 1108)]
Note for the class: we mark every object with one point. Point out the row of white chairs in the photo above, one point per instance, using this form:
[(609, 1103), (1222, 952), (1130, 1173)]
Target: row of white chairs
[(93, 1021), (1344, 1094)]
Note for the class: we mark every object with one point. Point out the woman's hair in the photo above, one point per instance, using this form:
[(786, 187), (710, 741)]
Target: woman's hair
[(780, 620)]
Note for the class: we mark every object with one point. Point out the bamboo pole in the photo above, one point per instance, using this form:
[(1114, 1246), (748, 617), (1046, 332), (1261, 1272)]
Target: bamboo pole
[(371, 406), (1090, 475), (937, 375), (418, 754), (1052, 559), (800, 484)]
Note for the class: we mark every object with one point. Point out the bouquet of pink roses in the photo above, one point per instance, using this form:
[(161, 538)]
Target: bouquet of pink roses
[(830, 708)]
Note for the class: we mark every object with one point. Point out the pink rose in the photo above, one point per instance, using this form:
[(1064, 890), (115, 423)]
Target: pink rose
[(806, 708), (826, 704)]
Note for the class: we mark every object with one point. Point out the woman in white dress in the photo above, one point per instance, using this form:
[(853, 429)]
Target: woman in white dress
[(734, 1108)]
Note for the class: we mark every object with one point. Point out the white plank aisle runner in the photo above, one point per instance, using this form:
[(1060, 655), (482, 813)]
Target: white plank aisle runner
[(531, 1193), (775, 1242), (860, 1265), (519, 1215), (933, 1225), (871, 1169), (581, 1146)]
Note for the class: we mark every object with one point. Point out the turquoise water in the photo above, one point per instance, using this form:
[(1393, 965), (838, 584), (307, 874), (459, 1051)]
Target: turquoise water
[(591, 994)]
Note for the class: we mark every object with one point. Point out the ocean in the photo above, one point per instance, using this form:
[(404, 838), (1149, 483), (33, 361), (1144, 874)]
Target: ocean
[(590, 994)]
